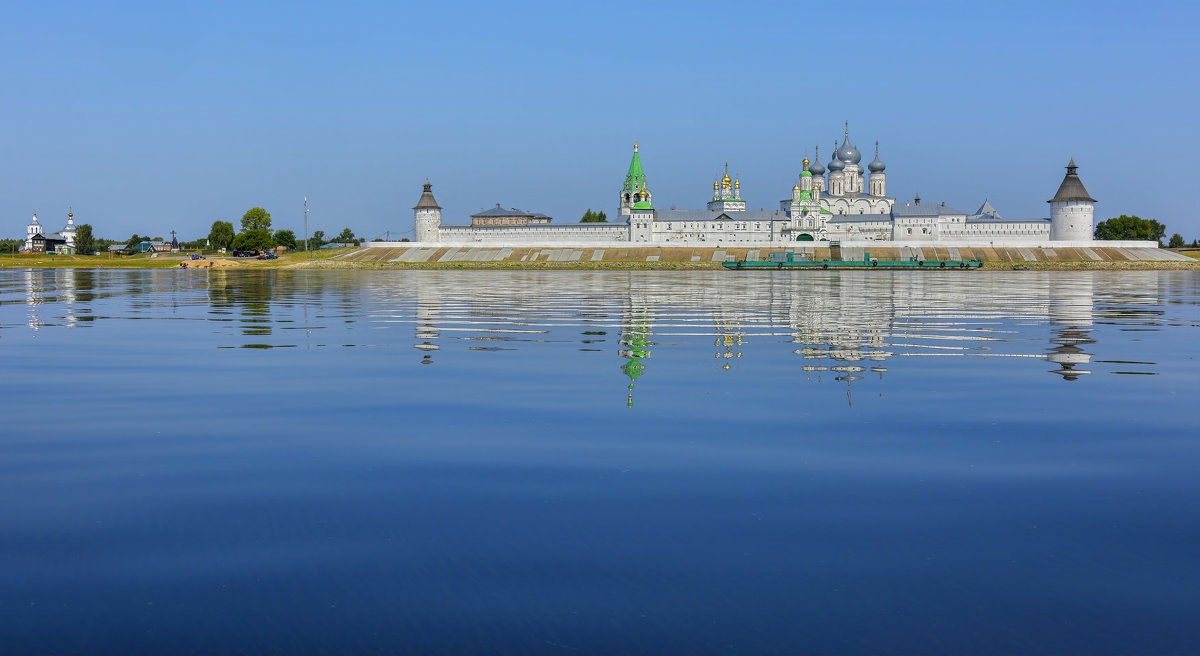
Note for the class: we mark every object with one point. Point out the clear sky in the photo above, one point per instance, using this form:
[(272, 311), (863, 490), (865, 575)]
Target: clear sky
[(155, 116)]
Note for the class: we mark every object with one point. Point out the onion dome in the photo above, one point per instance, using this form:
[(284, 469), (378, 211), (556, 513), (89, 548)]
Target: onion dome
[(737, 184), (836, 165), (796, 188), (876, 166), (848, 153), (716, 185), (816, 168)]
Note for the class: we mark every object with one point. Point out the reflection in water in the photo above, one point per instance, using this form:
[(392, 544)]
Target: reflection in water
[(840, 326), (180, 472), (1071, 321), (635, 337)]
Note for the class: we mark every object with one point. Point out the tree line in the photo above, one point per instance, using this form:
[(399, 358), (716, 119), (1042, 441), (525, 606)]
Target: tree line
[(256, 235), (1139, 229)]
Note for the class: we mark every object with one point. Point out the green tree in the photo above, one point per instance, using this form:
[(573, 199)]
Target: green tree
[(253, 240), (317, 239), (593, 217), (256, 218), (221, 234), (85, 242), (347, 237), (1130, 227), (11, 245), (1176, 241), (134, 241), (285, 238)]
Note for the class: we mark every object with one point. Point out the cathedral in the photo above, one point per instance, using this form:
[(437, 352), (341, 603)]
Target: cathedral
[(842, 201)]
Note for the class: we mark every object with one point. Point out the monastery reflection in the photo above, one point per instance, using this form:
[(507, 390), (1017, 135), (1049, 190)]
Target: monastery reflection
[(635, 338), (1071, 323), (846, 327)]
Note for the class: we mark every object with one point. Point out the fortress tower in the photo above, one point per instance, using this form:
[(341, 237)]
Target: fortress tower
[(427, 216), (1072, 210)]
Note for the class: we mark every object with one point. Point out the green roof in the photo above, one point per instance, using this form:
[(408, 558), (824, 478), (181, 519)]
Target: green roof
[(635, 180), (643, 205)]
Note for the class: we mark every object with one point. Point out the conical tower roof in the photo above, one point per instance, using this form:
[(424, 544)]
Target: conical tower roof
[(987, 208), (635, 180), (1071, 187), (427, 201)]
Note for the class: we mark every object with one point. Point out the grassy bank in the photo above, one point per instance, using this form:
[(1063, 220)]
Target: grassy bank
[(335, 259)]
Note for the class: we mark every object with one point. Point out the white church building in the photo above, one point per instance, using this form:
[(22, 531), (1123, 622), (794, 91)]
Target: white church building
[(839, 202), (40, 240)]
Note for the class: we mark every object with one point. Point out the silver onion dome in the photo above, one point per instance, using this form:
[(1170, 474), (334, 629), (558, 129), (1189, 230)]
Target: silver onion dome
[(848, 153), (836, 164)]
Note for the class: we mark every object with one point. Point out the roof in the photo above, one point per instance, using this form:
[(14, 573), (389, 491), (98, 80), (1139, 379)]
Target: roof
[(542, 226), (923, 209), (713, 215), (427, 201), (635, 179), (998, 219), (1071, 187), (500, 211), (987, 208), (860, 218)]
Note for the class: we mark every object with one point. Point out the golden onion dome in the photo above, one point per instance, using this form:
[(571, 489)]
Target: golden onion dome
[(715, 185), (726, 180), (796, 188), (738, 184), (806, 162)]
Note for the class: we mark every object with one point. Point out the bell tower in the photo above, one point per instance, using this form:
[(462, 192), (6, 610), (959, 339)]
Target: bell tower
[(634, 190)]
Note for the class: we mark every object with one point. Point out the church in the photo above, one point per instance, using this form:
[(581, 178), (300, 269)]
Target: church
[(40, 240), (839, 202)]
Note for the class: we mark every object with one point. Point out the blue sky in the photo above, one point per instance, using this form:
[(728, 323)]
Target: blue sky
[(149, 117)]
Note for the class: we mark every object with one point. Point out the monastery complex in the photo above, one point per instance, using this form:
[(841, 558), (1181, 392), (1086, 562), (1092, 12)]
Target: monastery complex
[(841, 201)]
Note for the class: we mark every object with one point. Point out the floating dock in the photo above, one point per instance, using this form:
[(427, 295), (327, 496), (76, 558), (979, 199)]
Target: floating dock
[(787, 260)]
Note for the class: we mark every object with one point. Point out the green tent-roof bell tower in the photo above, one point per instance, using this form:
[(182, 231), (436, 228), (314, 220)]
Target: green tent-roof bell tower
[(635, 193)]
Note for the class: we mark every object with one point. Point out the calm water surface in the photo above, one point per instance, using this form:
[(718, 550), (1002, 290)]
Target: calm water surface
[(599, 463)]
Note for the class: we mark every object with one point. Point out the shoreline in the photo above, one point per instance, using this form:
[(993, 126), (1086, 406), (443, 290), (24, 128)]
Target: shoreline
[(299, 263)]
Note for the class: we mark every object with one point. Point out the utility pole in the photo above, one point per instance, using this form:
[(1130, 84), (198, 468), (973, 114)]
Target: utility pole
[(306, 224)]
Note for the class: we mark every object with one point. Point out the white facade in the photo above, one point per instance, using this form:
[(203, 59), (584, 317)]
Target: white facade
[(855, 209), (1072, 220), (67, 233)]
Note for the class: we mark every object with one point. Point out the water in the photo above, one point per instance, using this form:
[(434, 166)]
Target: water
[(597, 463)]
